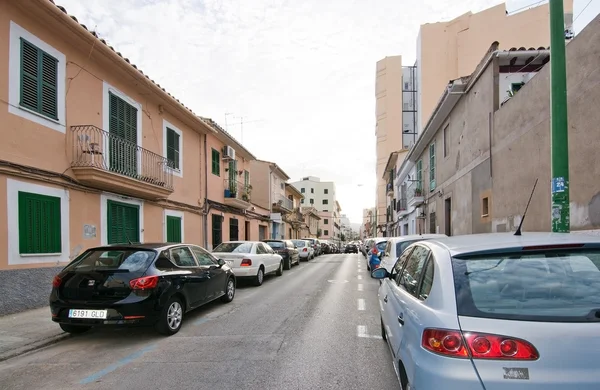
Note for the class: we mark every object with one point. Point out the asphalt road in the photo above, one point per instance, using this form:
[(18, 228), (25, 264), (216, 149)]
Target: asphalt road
[(315, 327)]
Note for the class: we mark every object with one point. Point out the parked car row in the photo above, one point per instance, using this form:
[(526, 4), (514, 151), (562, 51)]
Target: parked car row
[(157, 284), (491, 311)]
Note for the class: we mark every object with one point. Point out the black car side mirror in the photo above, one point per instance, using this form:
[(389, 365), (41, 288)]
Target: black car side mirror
[(221, 262)]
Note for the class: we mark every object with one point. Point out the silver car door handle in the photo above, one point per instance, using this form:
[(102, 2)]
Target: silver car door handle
[(401, 318), (385, 299)]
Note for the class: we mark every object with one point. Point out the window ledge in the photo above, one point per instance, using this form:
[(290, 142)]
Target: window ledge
[(484, 215), (39, 254)]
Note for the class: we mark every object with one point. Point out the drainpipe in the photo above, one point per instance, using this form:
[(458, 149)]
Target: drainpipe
[(206, 207)]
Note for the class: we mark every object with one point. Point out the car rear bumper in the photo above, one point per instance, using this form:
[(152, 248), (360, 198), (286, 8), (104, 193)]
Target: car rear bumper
[(141, 313), (245, 272), (438, 372)]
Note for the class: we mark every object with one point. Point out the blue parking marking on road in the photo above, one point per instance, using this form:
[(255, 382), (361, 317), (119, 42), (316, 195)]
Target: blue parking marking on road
[(126, 360)]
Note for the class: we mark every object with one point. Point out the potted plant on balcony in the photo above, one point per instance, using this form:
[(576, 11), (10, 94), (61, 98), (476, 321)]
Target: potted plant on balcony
[(418, 192), (246, 193)]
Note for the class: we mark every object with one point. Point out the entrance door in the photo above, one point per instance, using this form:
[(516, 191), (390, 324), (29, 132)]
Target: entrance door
[(173, 229), (217, 227), (262, 232), (123, 222), (448, 216), (247, 231)]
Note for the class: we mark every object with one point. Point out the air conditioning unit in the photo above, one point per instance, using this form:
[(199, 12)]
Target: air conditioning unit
[(228, 153)]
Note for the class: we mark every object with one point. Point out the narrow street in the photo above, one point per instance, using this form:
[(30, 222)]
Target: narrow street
[(316, 327)]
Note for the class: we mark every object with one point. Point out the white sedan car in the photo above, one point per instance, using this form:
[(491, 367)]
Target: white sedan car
[(305, 250), (250, 259)]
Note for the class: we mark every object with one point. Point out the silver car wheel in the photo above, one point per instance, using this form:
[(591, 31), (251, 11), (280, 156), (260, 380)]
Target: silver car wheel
[(230, 289), (174, 315)]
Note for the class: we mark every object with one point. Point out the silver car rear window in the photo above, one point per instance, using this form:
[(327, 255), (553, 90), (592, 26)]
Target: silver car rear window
[(550, 286)]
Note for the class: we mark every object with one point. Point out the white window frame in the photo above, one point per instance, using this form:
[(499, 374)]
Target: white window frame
[(106, 88), (14, 79), (167, 124), (173, 213), (13, 187), (104, 198)]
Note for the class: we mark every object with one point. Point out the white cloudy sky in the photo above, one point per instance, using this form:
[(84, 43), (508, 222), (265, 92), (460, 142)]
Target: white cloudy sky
[(300, 73)]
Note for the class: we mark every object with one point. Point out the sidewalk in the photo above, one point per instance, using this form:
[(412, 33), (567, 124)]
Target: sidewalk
[(27, 331)]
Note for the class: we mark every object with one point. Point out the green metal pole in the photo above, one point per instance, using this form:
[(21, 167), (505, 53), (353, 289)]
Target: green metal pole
[(559, 138)]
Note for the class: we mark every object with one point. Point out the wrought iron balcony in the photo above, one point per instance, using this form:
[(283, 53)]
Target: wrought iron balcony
[(401, 205), (109, 162), (281, 203), (236, 194), (414, 194)]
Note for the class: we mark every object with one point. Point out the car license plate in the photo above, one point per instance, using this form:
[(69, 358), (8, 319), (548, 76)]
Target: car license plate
[(90, 314), (229, 262)]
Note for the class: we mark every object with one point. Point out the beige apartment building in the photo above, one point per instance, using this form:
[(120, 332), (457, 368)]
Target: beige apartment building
[(483, 183), (95, 153), (406, 96)]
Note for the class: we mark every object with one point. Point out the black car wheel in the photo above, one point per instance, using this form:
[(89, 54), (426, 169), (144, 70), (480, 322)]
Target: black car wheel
[(280, 269), (171, 317), (74, 329), (260, 276), (229, 291), (288, 264)]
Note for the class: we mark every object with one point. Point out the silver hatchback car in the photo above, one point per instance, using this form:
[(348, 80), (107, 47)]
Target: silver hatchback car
[(494, 312)]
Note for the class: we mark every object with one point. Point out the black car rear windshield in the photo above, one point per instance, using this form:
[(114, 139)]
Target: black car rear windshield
[(234, 247), (275, 244), (550, 286), (132, 260)]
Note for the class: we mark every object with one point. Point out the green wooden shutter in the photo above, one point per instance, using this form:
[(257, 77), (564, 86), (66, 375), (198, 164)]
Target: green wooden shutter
[(123, 136), (39, 224), (431, 167), (246, 180), (39, 80), (173, 148), (420, 174), (233, 176), (216, 162), (123, 222), (173, 229)]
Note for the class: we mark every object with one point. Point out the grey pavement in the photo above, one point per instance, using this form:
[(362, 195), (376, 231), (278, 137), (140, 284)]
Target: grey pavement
[(316, 327), (27, 331)]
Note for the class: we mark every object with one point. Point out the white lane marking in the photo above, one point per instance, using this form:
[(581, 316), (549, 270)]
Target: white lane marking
[(360, 287), (359, 277), (361, 331), (361, 304)]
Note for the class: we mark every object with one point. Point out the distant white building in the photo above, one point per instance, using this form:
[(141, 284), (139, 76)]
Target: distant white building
[(321, 195)]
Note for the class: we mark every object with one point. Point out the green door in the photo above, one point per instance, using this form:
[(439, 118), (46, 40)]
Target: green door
[(123, 221), (123, 136), (173, 229)]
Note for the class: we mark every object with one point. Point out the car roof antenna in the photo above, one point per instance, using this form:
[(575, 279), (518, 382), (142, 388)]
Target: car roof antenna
[(518, 232)]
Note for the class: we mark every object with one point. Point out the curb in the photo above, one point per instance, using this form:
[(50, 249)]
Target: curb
[(33, 346)]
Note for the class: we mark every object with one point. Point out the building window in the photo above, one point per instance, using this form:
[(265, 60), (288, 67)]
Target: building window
[(282, 185), (122, 222), (302, 190), (173, 229), (173, 226), (173, 145), (123, 126), (326, 221), (325, 232), (217, 222), (312, 201), (233, 229), (36, 79), (446, 142), (39, 80), (432, 167), (216, 162), (485, 207), (246, 180), (514, 87), (312, 190), (39, 224), (325, 211), (302, 200), (432, 223), (326, 191), (420, 174), (325, 201)]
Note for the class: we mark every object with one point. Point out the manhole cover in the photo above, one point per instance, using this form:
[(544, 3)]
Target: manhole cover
[(337, 281)]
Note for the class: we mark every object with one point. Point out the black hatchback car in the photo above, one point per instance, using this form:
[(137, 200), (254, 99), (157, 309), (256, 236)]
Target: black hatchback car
[(143, 284)]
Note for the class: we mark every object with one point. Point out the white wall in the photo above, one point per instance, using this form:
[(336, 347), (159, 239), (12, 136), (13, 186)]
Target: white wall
[(319, 194), (506, 79)]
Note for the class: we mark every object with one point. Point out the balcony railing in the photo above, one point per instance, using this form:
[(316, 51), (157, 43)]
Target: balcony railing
[(401, 205), (236, 190), (284, 202), (99, 149), (414, 193)]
